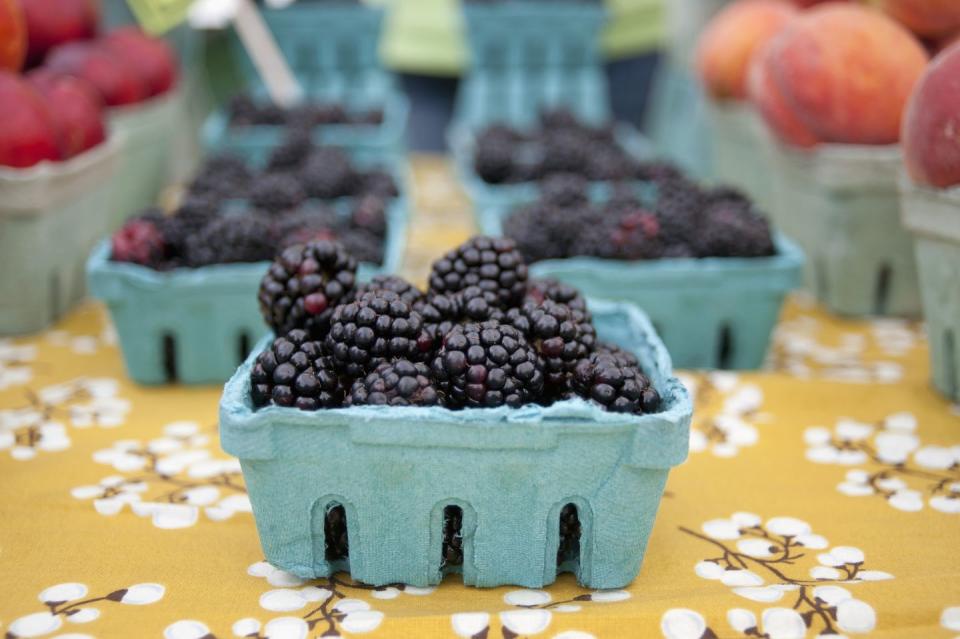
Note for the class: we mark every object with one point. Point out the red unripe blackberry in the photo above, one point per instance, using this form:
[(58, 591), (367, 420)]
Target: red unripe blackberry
[(303, 286), (398, 383), (139, 241), (293, 371), (492, 264)]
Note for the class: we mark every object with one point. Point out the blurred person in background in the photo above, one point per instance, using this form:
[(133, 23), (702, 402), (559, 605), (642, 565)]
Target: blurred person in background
[(424, 42)]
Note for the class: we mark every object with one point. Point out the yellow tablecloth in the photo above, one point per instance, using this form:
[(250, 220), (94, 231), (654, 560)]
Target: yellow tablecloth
[(822, 497)]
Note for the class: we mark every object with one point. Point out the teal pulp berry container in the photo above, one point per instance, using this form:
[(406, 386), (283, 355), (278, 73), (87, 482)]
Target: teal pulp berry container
[(256, 142), (933, 216), (143, 169), (716, 312), (510, 472), (195, 325), (51, 215), (740, 144), (841, 204), (526, 56), (677, 118), (488, 197)]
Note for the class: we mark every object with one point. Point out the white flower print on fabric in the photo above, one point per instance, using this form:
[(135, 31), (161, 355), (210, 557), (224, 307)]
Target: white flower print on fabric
[(727, 412), (950, 618), (892, 462), (783, 564), (71, 603), (15, 362), (532, 613), (40, 425), (172, 479)]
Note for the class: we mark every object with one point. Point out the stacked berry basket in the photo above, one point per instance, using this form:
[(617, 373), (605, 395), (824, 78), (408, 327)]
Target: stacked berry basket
[(398, 391), (701, 261), (180, 286)]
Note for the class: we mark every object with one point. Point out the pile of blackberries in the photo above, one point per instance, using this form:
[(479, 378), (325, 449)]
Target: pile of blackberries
[(482, 335), (665, 216), (559, 144), (244, 110)]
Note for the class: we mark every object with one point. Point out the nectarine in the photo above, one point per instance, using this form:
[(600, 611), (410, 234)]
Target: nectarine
[(53, 22), (926, 18), (931, 126), (153, 58), (13, 35), (116, 80), (76, 107), (27, 131)]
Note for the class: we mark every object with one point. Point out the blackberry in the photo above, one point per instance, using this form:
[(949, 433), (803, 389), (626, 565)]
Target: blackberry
[(292, 152), (304, 284), (618, 387), (733, 232), (440, 314), (276, 192), (364, 245), (622, 357), (561, 336), (564, 190), (549, 289), (308, 223), (223, 176), (564, 151), (370, 214), (570, 531), (379, 183), (397, 383), (636, 236), (606, 162), (657, 171), (559, 118), (532, 228), (241, 110), (229, 239), (486, 365), (139, 241), (594, 237), (493, 264), (327, 173), (493, 160), (405, 290), (679, 209), (294, 372), (624, 199), (478, 305), (375, 328)]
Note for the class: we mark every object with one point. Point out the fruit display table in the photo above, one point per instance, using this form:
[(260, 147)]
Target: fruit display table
[(821, 496)]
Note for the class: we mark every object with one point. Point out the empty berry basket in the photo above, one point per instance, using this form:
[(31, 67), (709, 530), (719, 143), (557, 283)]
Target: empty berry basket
[(933, 216), (395, 474), (196, 325), (840, 203), (50, 217)]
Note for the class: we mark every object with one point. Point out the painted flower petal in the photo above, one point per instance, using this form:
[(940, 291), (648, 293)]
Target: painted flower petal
[(950, 618), (526, 597), (313, 593), (825, 573), (741, 619), (682, 623), (362, 621), (609, 596), (783, 623), (909, 501), (745, 519), (283, 578), (708, 570), (246, 626), (35, 625), (848, 554), (84, 615), (526, 622), (755, 547), (386, 593), (765, 594), (143, 594), (854, 615), (282, 600), (949, 505), (64, 592), (739, 577), (874, 575), (287, 628), (832, 595), (351, 605), (851, 489), (812, 541), (721, 529), (260, 569), (468, 624), (904, 421), (816, 436)]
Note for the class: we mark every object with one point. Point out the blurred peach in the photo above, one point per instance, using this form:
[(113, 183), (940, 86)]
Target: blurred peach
[(931, 125)]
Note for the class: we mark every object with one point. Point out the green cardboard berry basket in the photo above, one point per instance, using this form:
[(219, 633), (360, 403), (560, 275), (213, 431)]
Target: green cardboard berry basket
[(487, 197), (148, 131), (256, 142), (933, 216), (194, 325), (509, 471), (716, 312), (740, 145), (526, 56), (841, 204), (50, 217)]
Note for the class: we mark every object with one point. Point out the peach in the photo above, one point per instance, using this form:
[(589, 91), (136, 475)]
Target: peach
[(28, 134), (730, 40), (926, 18), (116, 80), (76, 108), (931, 126), (13, 35), (153, 58), (844, 72), (53, 22), (768, 100)]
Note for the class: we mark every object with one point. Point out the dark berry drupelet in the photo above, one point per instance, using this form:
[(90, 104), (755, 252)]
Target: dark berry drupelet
[(304, 284), (378, 183), (539, 290), (294, 372), (533, 228), (224, 176), (308, 223), (493, 264), (618, 387), (730, 231), (140, 241), (397, 383), (479, 305), (376, 328), (561, 336), (404, 289), (233, 238), (570, 532), (486, 365), (440, 314), (364, 245), (292, 152), (276, 192), (370, 214), (564, 190), (565, 151), (636, 236), (493, 160), (327, 173), (622, 357)]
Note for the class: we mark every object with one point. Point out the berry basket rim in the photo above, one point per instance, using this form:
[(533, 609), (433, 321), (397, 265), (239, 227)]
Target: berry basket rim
[(245, 432)]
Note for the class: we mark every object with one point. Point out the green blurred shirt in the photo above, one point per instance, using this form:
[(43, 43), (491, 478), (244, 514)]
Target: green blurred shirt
[(426, 36)]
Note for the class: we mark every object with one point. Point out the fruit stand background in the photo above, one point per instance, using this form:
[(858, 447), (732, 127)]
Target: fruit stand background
[(822, 497)]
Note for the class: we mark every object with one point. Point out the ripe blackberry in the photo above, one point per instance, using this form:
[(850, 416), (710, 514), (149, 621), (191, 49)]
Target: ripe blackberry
[(308, 223), (375, 328), (622, 357), (241, 110), (608, 162), (493, 160), (733, 232), (276, 192), (561, 336), (488, 364), (327, 173), (679, 209), (233, 238), (370, 214), (397, 383), (223, 176), (539, 290), (405, 290), (564, 190), (565, 151), (139, 241), (294, 372), (364, 245), (620, 388), (594, 237), (379, 183), (292, 152), (479, 305), (532, 228), (657, 172), (570, 531), (440, 314), (304, 284), (493, 264)]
